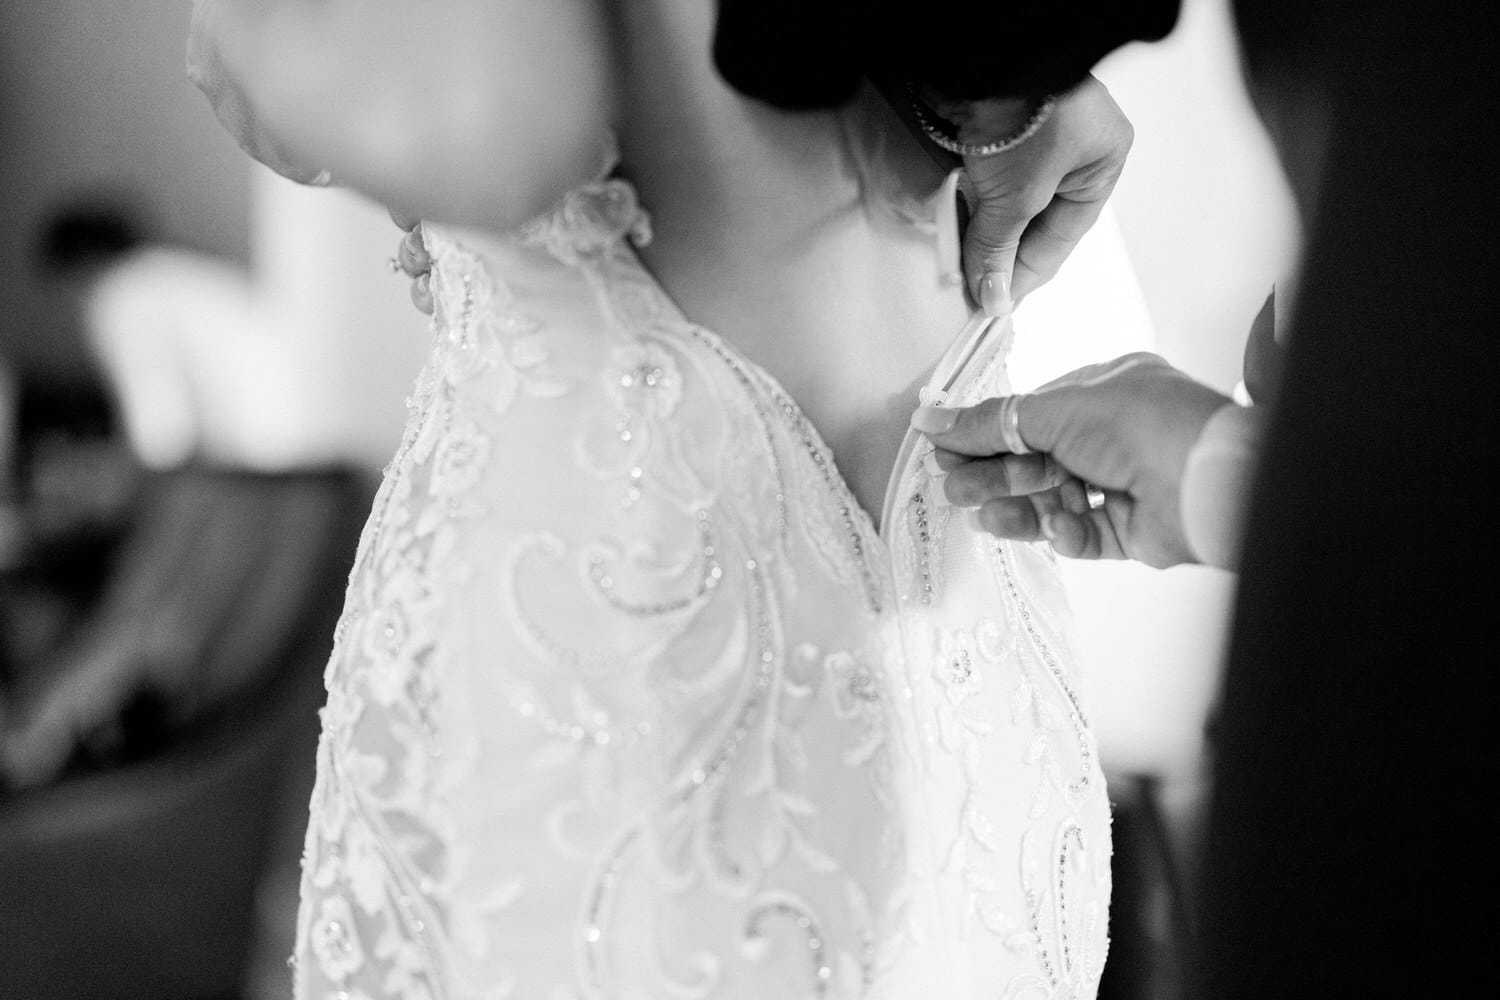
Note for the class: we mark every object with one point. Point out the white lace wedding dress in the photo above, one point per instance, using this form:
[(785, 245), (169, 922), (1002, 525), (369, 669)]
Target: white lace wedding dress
[(631, 700)]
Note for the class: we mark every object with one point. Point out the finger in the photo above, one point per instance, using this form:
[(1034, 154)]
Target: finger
[(979, 480), (411, 254), (991, 286), (972, 484), (421, 293), (978, 431), (1041, 469), (1015, 518), (1069, 535), (947, 461), (1049, 239), (992, 239), (1033, 473), (1073, 495), (1090, 535)]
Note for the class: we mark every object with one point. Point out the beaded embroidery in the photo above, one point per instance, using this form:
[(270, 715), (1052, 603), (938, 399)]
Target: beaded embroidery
[(741, 744)]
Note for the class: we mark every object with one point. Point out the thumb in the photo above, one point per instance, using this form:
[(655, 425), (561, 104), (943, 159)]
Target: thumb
[(989, 256)]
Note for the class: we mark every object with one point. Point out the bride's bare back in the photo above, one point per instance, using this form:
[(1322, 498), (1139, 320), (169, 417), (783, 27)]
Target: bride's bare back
[(626, 699), (761, 231), (762, 234)]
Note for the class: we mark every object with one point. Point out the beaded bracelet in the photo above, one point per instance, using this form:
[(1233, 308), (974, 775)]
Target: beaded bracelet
[(940, 134)]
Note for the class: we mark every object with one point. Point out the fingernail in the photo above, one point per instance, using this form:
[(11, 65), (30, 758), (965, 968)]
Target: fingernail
[(994, 293), (1049, 527), (934, 419), (976, 521)]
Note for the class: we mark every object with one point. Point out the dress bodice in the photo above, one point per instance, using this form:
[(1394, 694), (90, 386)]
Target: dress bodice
[(631, 699)]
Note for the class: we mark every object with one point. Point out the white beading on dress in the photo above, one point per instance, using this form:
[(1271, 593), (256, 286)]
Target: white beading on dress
[(631, 700)]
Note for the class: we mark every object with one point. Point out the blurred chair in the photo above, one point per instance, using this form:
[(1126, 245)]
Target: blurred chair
[(149, 769), (158, 737)]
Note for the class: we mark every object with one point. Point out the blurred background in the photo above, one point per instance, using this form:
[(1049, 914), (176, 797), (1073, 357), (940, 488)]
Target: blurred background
[(203, 368)]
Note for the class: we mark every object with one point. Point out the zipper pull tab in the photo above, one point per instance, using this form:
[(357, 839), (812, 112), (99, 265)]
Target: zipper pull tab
[(948, 236)]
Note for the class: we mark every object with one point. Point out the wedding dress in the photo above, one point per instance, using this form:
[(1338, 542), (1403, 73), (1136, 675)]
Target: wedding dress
[(631, 699)]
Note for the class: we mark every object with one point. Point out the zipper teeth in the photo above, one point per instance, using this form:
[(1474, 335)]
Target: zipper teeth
[(970, 340), (971, 337), (979, 341)]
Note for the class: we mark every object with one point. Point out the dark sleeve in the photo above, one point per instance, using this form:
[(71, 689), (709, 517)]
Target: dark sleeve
[(802, 54), (1355, 738)]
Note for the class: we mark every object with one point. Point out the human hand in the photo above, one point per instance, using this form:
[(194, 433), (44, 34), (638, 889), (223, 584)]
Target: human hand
[(211, 32), (413, 260), (1127, 425), (1035, 201)]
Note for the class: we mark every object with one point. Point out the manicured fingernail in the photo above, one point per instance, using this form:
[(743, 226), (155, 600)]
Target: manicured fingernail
[(976, 521), (1049, 527), (994, 293), (934, 419)]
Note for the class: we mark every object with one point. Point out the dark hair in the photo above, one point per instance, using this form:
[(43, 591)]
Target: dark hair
[(803, 54), (84, 234)]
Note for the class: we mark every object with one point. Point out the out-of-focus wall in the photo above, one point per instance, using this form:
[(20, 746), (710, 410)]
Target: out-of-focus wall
[(1203, 205), (93, 96), (321, 255)]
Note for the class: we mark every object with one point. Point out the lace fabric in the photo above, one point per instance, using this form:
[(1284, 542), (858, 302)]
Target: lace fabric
[(630, 699)]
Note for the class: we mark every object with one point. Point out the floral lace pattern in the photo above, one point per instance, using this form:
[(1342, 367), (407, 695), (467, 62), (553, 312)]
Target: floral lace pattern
[(630, 700)]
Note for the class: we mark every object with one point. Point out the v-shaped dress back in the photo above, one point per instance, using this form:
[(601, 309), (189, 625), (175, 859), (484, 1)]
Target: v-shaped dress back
[(630, 699)]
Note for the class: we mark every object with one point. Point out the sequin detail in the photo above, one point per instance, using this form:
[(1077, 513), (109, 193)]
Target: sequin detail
[(614, 571)]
